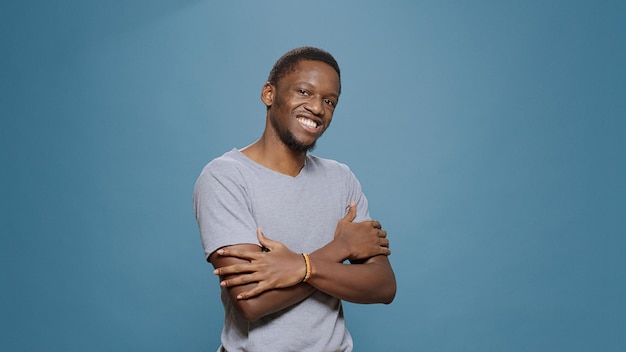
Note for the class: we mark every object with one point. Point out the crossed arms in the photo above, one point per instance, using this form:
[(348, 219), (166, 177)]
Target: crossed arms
[(263, 282)]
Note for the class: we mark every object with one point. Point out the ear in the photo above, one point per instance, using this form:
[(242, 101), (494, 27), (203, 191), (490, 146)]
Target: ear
[(267, 94)]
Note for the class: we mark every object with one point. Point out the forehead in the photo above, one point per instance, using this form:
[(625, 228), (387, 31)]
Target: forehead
[(316, 73)]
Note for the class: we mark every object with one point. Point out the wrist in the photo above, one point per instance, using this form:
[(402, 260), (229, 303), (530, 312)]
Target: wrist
[(308, 267), (333, 251)]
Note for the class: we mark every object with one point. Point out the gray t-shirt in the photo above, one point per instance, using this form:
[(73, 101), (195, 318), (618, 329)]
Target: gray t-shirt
[(233, 196)]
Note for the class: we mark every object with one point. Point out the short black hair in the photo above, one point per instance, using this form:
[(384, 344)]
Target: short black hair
[(287, 63)]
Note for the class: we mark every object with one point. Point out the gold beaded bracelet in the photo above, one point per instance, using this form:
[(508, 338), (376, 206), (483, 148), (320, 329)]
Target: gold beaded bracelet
[(307, 261)]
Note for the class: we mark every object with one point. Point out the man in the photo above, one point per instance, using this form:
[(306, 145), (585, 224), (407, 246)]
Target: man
[(283, 292)]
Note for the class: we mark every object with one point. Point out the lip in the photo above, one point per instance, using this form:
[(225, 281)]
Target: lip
[(312, 117), (315, 119)]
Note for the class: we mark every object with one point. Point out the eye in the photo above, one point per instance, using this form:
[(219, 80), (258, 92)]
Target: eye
[(303, 91), (330, 102)]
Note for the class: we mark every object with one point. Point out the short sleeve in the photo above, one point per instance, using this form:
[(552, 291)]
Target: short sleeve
[(356, 194), (222, 207)]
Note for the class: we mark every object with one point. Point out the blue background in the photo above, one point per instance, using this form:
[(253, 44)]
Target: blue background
[(489, 137)]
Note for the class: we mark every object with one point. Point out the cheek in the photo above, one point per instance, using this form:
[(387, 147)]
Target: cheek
[(330, 119)]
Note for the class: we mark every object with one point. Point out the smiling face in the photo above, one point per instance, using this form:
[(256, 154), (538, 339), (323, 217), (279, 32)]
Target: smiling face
[(302, 103)]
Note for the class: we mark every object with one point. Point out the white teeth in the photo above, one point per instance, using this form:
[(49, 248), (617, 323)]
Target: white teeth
[(307, 122)]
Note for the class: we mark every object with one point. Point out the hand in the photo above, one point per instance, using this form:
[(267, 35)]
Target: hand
[(362, 240), (280, 267)]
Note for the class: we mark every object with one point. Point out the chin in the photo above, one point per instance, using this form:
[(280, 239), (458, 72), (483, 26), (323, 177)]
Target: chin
[(295, 144), (300, 147)]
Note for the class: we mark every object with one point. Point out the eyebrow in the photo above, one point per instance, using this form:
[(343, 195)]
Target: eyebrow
[(307, 84)]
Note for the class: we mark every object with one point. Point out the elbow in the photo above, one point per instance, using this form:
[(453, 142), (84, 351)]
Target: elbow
[(247, 311), (389, 298), (383, 290), (384, 294), (250, 317), (388, 289), (389, 293), (250, 310)]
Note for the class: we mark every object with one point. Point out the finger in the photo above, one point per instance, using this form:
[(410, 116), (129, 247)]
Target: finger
[(229, 252), (260, 236), (384, 250), (233, 269), (351, 215), (376, 224), (381, 233), (252, 293), (239, 280), (384, 243), (264, 241)]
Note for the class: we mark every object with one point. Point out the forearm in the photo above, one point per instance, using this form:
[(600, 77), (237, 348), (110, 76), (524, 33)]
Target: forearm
[(370, 282), (260, 283), (261, 305), (332, 252), (268, 302)]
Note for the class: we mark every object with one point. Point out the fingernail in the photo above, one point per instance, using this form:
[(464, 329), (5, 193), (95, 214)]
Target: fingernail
[(223, 283), (216, 272)]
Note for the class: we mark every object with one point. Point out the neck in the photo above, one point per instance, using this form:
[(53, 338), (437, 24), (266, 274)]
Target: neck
[(276, 156)]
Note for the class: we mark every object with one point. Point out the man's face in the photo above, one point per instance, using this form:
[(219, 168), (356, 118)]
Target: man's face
[(302, 103)]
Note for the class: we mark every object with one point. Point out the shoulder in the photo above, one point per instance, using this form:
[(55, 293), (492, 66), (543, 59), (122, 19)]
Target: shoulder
[(229, 168), (230, 163), (328, 164), (228, 160), (319, 164)]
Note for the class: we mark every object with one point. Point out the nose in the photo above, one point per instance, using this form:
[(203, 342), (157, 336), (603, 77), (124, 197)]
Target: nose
[(315, 105)]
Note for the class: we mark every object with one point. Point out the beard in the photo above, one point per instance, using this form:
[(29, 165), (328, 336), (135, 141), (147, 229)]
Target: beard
[(290, 140)]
